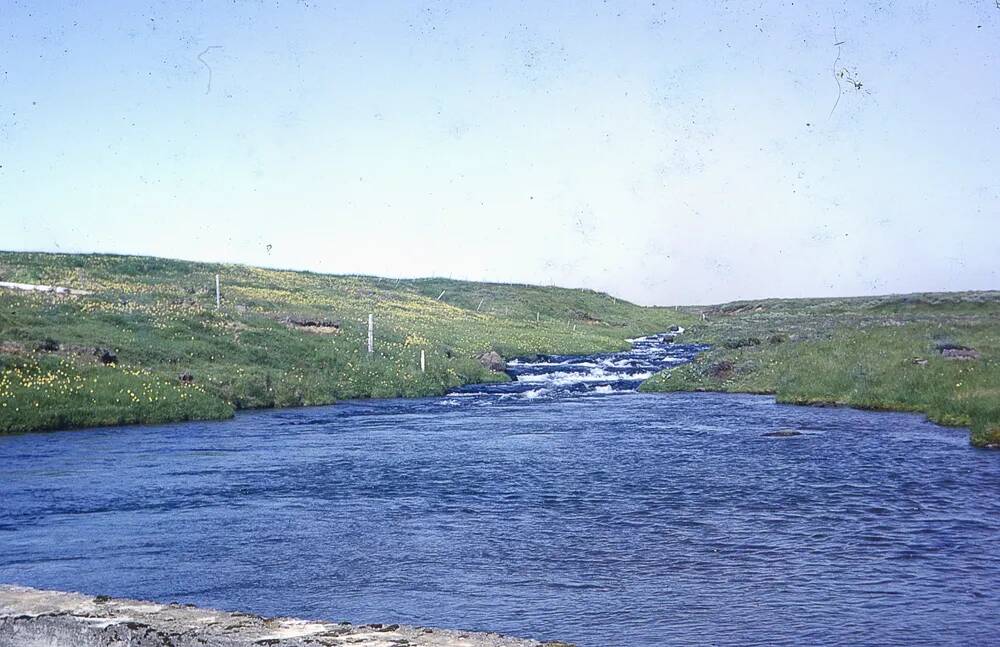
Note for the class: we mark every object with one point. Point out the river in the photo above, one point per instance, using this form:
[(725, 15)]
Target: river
[(562, 505)]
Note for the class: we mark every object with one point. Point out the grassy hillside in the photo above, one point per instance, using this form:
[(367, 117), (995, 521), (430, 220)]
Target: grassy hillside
[(280, 338), (296, 338), (906, 353)]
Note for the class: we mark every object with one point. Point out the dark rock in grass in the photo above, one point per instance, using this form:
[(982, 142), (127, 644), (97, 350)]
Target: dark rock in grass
[(186, 378), (950, 350), (919, 361), (675, 328), (49, 345), (960, 353), (105, 355), (741, 343), (493, 362), (777, 339), (721, 370), (318, 324), (783, 433)]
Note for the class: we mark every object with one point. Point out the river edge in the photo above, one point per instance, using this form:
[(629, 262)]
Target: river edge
[(31, 617), (986, 443), (492, 377)]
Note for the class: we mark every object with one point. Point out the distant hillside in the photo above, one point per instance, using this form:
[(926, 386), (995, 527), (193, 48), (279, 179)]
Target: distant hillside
[(147, 343)]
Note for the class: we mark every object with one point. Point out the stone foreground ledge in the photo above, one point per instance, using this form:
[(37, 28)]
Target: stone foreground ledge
[(36, 618)]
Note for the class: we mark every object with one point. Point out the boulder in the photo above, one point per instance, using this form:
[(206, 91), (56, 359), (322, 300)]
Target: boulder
[(186, 378), (741, 343), (313, 325), (782, 433), (49, 345), (105, 355), (493, 362), (960, 353), (721, 370)]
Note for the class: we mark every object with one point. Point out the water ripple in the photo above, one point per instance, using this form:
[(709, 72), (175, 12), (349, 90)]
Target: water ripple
[(602, 517)]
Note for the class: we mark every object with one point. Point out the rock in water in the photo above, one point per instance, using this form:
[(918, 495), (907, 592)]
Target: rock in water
[(493, 362), (783, 433)]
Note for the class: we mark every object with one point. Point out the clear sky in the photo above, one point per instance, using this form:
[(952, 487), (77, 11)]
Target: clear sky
[(667, 152)]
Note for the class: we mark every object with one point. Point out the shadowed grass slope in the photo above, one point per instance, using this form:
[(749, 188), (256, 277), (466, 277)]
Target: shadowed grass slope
[(281, 338)]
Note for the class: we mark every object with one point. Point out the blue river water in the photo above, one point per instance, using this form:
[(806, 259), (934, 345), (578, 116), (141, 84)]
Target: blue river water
[(559, 506)]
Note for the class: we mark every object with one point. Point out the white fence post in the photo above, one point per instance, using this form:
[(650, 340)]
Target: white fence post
[(218, 296), (371, 333), (423, 362)]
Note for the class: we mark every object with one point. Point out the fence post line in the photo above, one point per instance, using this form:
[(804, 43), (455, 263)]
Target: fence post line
[(371, 333), (423, 362), (218, 295)]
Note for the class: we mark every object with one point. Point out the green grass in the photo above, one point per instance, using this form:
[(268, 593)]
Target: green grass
[(159, 317), (872, 353), (56, 393)]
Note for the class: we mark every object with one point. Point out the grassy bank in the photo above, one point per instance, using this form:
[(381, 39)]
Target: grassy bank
[(164, 352), (280, 338), (938, 354)]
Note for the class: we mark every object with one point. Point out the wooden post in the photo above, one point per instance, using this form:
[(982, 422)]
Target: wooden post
[(538, 317), (480, 304), (218, 296), (441, 295), (423, 362), (371, 333)]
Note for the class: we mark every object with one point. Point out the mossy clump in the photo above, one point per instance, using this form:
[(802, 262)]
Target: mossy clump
[(986, 437)]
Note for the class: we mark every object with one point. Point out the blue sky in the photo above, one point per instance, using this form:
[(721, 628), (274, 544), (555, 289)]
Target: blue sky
[(668, 152)]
